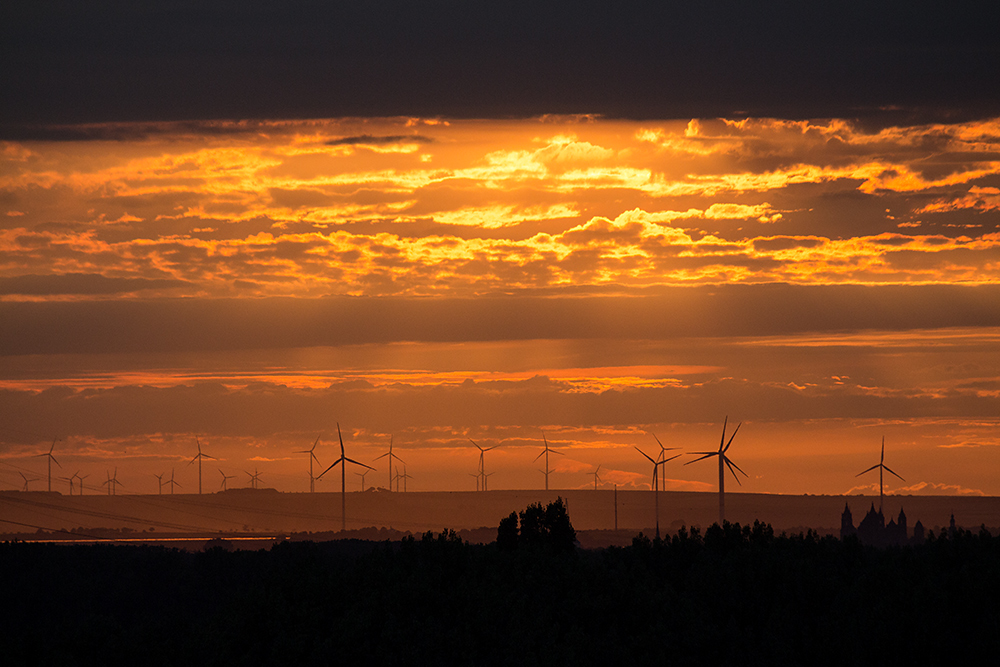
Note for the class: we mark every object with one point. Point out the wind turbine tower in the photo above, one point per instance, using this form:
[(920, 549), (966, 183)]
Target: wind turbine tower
[(343, 477), (881, 466), (198, 457), (723, 462)]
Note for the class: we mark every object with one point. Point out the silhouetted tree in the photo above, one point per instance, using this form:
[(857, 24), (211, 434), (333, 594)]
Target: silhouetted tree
[(561, 535), (507, 533), (547, 527)]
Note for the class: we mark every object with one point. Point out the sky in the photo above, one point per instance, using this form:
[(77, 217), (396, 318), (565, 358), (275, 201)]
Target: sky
[(440, 251)]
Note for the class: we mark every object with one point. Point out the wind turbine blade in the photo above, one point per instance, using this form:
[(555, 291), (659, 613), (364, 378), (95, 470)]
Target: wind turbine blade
[(332, 466), (732, 436), (868, 470), (882, 459), (646, 455), (398, 459), (662, 448), (358, 463), (724, 424), (555, 452), (728, 463), (54, 460), (702, 458), (539, 456), (314, 444), (890, 470), (670, 459), (381, 456), (341, 440)]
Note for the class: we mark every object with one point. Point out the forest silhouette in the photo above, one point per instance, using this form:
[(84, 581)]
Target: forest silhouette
[(737, 594)]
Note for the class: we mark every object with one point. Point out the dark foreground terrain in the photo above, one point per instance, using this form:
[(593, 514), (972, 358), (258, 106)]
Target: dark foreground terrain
[(733, 595)]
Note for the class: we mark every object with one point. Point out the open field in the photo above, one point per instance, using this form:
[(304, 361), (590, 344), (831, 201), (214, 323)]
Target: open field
[(268, 511)]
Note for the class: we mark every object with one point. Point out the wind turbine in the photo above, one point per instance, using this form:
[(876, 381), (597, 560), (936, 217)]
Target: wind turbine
[(597, 478), (362, 476), (51, 459), (389, 461), (198, 458), (67, 479), (312, 457), (343, 477), (255, 477), (655, 485), (26, 480), (546, 453), (723, 462), (171, 482), (226, 477), (881, 466), (159, 479), (77, 475), (663, 450), (404, 477), (113, 483), (482, 461)]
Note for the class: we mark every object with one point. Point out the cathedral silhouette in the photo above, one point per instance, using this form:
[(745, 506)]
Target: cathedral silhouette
[(873, 529)]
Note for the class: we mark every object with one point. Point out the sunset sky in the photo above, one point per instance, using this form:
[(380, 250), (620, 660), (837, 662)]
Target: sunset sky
[(252, 279)]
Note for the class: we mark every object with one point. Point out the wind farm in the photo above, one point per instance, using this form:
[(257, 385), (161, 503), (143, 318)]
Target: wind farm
[(604, 515)]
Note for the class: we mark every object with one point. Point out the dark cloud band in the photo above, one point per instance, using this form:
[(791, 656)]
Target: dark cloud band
[(108, 60), (369, 140), (720, 310)]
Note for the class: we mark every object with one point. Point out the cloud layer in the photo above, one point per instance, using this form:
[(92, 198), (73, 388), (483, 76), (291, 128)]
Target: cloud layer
[(467, 208)]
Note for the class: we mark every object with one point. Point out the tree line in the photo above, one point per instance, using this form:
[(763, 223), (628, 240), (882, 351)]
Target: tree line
[(734, 594)]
